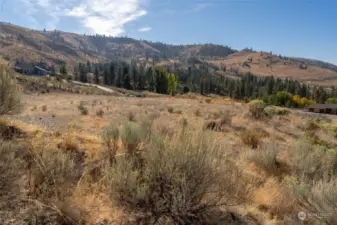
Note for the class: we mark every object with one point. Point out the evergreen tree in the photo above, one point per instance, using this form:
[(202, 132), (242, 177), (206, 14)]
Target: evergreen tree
[(96, 74)]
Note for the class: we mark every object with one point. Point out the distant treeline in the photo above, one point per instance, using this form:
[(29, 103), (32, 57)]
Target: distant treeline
[(139, 76)]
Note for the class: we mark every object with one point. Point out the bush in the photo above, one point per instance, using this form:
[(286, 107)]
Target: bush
[(83, 110), (251, 138), (208, 100), (265, 158), (131, 116), (9, 174), (319, 198), (181, 181), (110, 137), (170, 109), (54, 173), (197, 112), (271, 111), (312, 162), (44, 108), (131, 136), (256, 108), (100, 113), (9, 92)]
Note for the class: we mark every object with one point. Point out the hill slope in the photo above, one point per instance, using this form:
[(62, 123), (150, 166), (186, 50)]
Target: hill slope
[(57, 47)]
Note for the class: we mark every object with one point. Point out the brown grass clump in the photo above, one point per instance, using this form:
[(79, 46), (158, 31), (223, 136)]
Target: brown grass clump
[(100, 113), (251, 138), (219, 124), (9, 92), (131, 116), (44, 108), (208, 100), (170, 109), (265, 158)]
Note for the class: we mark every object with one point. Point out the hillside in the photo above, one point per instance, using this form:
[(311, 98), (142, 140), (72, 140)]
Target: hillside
[(57, 47)]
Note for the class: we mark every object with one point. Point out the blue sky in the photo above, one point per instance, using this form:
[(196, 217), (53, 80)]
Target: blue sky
[(306, 28)]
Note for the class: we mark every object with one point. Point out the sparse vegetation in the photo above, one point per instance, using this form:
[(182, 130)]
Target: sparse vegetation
[(44, 108), (251, 138), (9, 92), (157, 185), (100, 113), (83, 110), (256, 108), (170, 109)]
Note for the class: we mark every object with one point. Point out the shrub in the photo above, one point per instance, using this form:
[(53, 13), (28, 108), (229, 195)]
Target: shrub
[(83, 110), (181, 181), (44, 108), (170, 109), (53, 175), (271, 111), (256, 108), (251, 138), (311, 162), (100, 113), (265, 158), (9, 174), (9, 92), (208, 100), (178, 112), (110, 137), (131, 137), (318, 197), (197, 112), (131, 116)]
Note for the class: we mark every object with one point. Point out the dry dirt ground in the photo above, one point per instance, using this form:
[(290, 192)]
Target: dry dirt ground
[(50, 117)]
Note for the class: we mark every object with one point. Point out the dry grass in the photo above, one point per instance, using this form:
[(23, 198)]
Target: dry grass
[(9, 92), (170, 138)]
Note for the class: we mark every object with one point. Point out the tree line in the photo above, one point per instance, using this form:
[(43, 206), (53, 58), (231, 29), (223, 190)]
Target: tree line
[(245, 86)]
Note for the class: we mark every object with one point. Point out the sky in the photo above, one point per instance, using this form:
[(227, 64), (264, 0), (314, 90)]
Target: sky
[(300, 28)]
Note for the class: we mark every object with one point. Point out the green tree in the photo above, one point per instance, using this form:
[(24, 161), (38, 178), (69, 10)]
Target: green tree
[(172, 83), (331, 101), (96, 73), (63, 70), (282, 98)]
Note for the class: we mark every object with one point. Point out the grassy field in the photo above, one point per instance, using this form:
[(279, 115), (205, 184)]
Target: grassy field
[(73, 122), (78, 155)]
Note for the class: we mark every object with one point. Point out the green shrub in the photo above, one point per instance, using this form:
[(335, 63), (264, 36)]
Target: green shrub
[(180, 181), (256, 108), (110, 137), (83, 110), (131, 137), (9, 92)]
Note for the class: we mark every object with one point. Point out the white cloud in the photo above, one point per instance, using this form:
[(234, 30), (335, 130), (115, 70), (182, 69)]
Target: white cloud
[(201, 6), (96, 16), (144, 29)]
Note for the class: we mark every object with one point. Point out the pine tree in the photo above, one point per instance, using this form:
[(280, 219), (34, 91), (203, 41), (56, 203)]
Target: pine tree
[(96, 73)]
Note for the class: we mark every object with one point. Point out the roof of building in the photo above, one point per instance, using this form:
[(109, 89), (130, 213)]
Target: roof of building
[(322, 106)]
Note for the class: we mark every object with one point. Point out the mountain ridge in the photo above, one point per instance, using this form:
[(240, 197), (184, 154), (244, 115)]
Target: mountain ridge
[(59, 47)]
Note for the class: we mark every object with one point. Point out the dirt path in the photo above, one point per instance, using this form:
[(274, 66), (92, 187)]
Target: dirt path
[(95, 85)]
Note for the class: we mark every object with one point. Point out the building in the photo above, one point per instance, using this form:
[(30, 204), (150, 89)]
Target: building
[(323, 108), (30, 69)]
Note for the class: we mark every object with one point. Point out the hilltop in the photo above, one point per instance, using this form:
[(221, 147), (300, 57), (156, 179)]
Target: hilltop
[(58, 47)]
